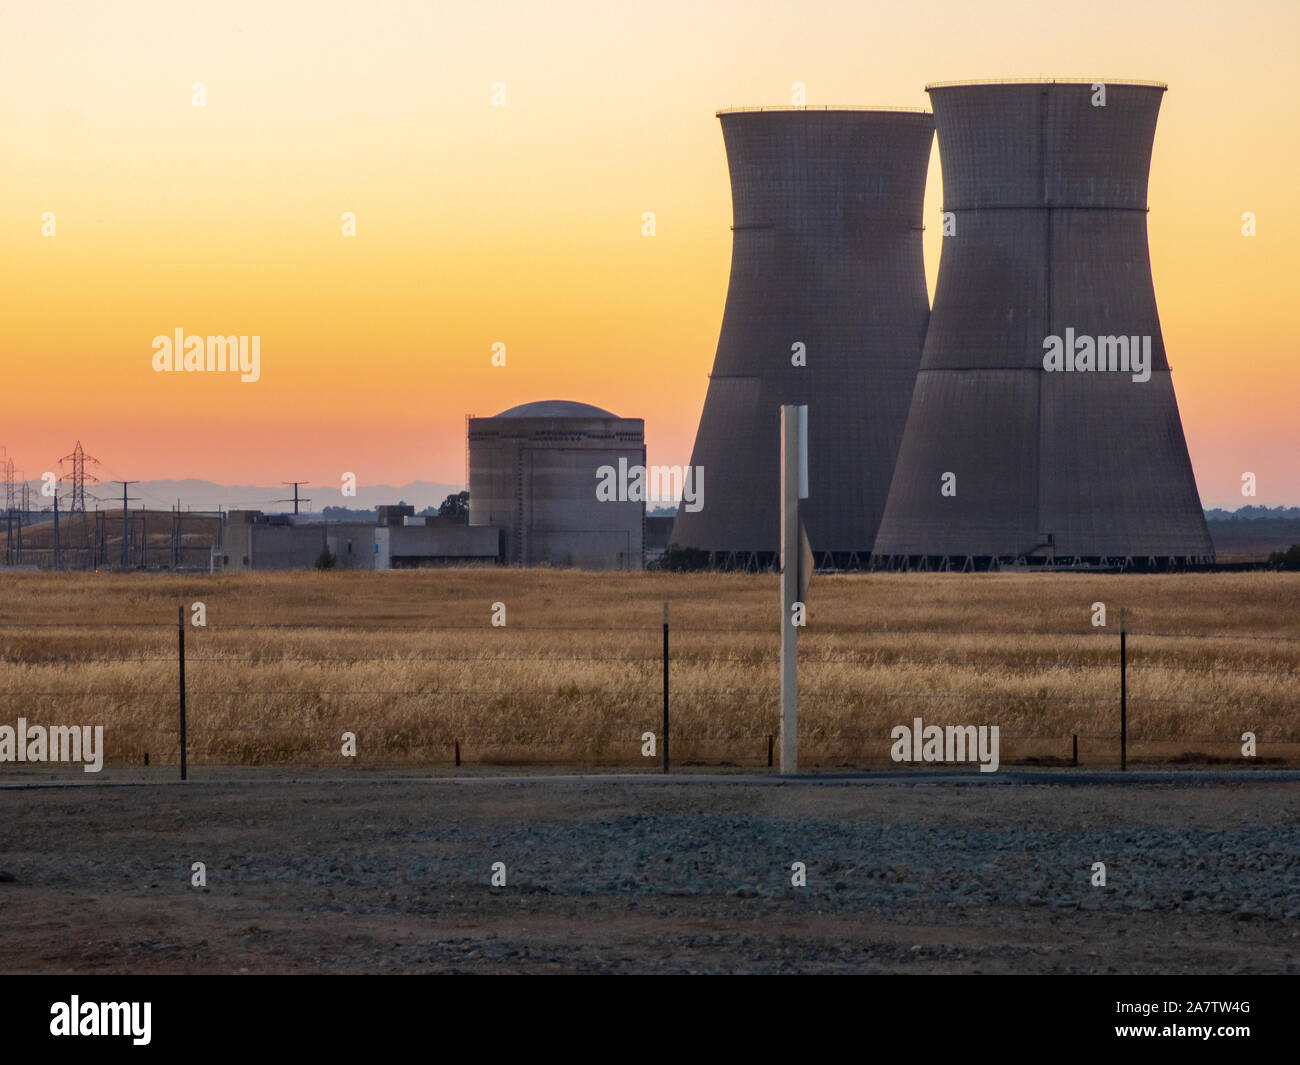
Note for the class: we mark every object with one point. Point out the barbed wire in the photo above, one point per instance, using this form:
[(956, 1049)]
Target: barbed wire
[(683, 659), (495, 742), (416, 624), (1213, 669), (564, 695), (1213, 636), (329, 659)]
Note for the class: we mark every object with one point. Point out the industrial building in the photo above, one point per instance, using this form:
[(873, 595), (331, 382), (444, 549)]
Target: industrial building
[(534, 471), (251, 540), (826, 306), (1005, 459)]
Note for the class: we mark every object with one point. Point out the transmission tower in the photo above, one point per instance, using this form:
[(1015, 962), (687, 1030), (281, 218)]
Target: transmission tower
[(78, 459), (9, 485)]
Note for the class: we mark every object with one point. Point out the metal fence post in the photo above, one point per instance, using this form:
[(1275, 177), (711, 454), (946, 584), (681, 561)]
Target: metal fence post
[(665, 687), (180, 645), (789, 582), (1123, 691)]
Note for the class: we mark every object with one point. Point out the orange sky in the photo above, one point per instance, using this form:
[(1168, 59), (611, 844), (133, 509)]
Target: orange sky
[(521, 224)]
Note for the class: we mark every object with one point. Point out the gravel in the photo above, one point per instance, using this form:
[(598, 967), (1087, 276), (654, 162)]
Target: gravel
[(617, 875)]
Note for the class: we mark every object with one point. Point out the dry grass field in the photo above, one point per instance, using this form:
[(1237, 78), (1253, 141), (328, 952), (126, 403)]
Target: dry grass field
[(410, 663)]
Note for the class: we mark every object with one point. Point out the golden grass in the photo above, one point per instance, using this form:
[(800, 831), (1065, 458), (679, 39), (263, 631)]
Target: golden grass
[(410, 663)]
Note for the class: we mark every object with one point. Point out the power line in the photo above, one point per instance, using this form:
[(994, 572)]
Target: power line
[(126, 558), (294, 500)]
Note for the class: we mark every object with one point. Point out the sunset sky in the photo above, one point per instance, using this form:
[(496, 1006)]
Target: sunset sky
[(522, 224)]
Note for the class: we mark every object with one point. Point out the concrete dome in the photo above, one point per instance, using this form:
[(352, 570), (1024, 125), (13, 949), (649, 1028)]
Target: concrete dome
[(556, 408)]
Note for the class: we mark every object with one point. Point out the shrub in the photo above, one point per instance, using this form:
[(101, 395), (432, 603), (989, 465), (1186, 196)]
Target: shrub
[(684, 559), (1288, 559)]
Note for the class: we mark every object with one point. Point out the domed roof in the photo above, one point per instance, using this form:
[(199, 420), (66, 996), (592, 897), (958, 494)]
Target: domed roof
[(556, 408)]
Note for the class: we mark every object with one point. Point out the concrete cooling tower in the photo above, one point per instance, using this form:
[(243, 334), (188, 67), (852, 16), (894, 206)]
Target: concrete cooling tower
[(826, 306), (1044, 425)]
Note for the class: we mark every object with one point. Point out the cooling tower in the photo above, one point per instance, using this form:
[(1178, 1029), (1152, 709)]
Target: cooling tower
[(826, 269), (1003, 458)]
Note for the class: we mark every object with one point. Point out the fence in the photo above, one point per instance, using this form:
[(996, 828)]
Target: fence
[(413, 692), (100, 539)]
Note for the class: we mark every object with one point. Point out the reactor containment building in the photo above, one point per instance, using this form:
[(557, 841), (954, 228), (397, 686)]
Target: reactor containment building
[(534, 471), (1043, 427), (826, 306)]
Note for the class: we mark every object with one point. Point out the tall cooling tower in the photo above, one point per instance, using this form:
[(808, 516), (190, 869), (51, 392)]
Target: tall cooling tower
[(1045, 190), (826, 268)]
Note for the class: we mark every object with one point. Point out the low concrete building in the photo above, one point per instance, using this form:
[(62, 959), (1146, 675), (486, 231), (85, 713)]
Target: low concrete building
[(251, 540), (535, 470), (437, 543)]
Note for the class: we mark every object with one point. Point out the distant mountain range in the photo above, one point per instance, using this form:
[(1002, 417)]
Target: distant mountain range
[(195, 494)]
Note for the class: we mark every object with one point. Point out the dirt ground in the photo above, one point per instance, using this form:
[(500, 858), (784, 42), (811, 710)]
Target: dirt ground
[(309, 872)]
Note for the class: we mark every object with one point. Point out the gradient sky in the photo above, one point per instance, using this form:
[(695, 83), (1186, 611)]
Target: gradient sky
[(522, 224)]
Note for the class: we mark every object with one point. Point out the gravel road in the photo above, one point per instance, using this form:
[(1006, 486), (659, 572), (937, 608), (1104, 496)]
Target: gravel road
[(637, 874)]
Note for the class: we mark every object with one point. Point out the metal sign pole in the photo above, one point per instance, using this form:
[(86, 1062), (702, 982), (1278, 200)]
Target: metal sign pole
[(789, 589)]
